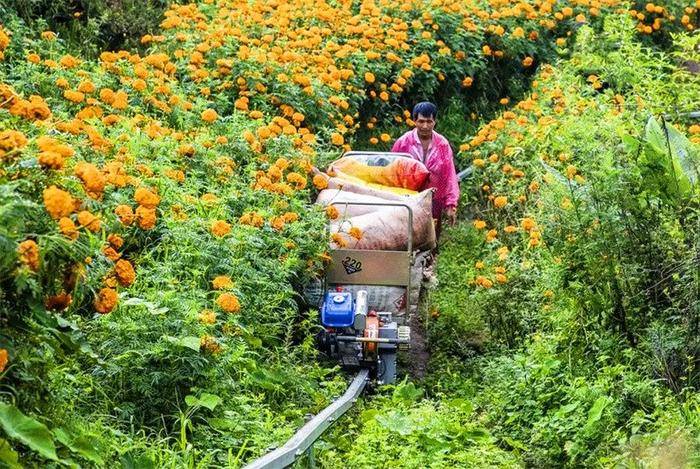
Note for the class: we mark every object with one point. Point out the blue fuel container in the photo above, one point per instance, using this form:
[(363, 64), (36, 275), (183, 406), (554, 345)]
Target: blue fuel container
[(337, 310)]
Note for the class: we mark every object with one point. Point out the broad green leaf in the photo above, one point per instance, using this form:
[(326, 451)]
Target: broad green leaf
[(407, 392), (83, 445), (396, 422), (8, 457), (130, 461), (685, 154), (596, 410), (210, 401), (190, 342), (369, 414), (29, 431)]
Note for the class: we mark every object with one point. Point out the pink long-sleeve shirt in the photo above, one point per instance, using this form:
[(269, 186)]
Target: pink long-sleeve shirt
[(439, 161)]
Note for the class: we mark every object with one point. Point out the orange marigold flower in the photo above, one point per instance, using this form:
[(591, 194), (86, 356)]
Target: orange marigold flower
[(106, 300), (93, 179), (510, 229), (355, 232), (146, 198), (58, 302), (501, 278), (500, 201), (220, 228), (528, 224), (58, 203), (115, 241), (125, 214), (297, 179), (145, 217), (338, 239), (332, 212), (337, 139), (209, 115), (110, 253), (479, 224), (320, 181), (277, 223), (3, 359), (290, 217), (74, 96), (89, 221), (68, 228), (369, 77), (483, 281), (222, 282), (124, 272), (29, 254), (229, 303)]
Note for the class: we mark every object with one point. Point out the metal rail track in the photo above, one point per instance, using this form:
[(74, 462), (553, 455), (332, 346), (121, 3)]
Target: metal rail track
[(296, 446)]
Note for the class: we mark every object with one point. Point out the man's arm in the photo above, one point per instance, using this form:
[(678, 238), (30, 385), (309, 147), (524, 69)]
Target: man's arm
[(451, 183)]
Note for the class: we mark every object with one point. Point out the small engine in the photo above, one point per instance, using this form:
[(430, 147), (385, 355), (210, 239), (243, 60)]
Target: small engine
[(359, 337)]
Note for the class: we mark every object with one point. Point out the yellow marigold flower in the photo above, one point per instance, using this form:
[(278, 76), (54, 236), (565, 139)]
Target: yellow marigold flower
[(527, 61), (29, 254), (3, 359), (503, 253), (68, 228), (209, 115), (125, 214), (369, 77), (355, 232), (229, 303), (510, 229), (491, 235), (207, 316), (48, 35), (93, 179), (479, 224), (500, 201), (501, 278), (255, 114), (58, 203), (297, 179), (106, 300), (467, 82), (220, 228), (222, 282), (479, 265), (124, 272)]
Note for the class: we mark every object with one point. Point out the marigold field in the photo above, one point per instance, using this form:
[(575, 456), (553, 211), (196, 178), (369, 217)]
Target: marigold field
[(158, 231)]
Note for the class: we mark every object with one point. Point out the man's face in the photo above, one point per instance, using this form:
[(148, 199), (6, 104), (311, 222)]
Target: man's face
[(425, 125)]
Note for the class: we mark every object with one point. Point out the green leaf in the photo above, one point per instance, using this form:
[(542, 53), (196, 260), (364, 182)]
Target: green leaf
[(369, 414), (83, 445), (190, 342), (210, 401), (407, 392), (29, 431), (8, 457), (396, 422), (596, 410)]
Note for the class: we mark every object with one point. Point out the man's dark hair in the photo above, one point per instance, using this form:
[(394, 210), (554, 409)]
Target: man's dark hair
[(425, 109)]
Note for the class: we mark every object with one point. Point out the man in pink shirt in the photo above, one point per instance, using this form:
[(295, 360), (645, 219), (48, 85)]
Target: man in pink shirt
[(434, 151)]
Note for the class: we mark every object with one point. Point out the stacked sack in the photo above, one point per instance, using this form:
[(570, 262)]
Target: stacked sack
[(381, 178)]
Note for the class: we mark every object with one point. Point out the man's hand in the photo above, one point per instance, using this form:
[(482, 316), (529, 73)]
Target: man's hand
[(451, 213)]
